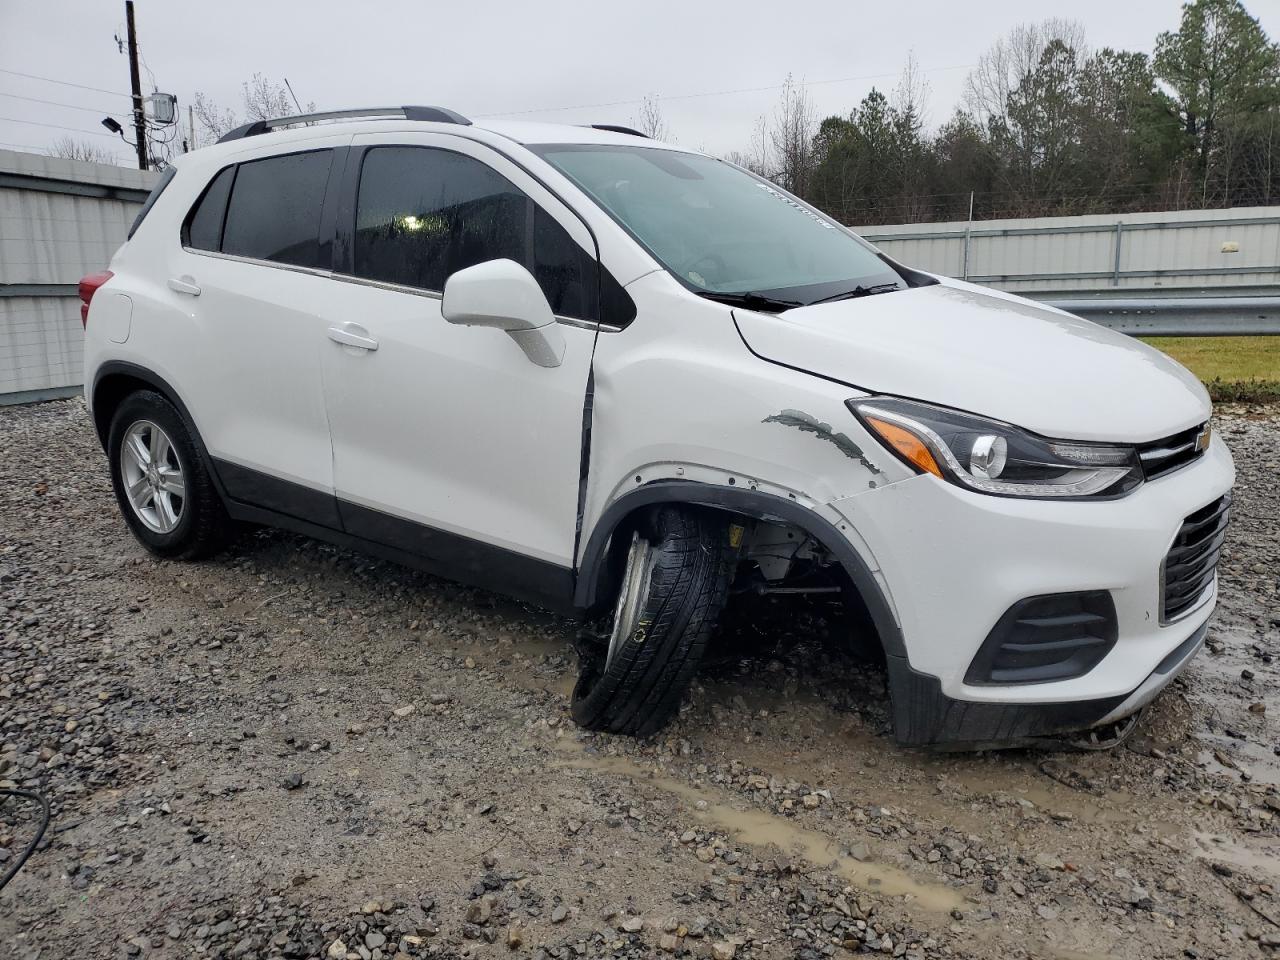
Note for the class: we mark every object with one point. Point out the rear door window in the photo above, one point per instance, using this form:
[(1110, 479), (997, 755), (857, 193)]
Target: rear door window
[(274, 211)]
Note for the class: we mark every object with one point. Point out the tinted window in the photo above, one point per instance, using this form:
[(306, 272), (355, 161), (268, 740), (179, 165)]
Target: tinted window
[(423, 214), (274, 212), (204, 226), (566, 272), (166, 178)]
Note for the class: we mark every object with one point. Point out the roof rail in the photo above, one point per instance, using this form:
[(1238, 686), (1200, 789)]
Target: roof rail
[(614, 128), (432, 114)]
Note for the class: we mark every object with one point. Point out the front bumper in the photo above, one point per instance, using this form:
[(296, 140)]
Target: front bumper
[(952, 562), (924, 716)]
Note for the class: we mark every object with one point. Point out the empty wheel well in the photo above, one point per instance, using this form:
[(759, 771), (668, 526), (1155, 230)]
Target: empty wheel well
[(765, 516)]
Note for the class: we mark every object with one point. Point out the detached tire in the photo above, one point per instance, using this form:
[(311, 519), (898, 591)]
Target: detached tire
[(678, 567), (161, 481)]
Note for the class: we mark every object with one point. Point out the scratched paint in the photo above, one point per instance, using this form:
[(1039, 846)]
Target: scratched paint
[(824, 431)]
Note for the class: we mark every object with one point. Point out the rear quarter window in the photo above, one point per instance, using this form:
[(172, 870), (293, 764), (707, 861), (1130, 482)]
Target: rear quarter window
[(204, 224)]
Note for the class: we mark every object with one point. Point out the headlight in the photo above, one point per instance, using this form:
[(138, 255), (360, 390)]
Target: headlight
[(994, 457)]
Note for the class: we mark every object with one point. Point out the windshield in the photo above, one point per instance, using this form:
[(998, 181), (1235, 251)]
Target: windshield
[(720, 230)]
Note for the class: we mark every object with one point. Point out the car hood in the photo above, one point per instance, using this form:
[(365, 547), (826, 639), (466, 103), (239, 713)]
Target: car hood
[(989, 353)]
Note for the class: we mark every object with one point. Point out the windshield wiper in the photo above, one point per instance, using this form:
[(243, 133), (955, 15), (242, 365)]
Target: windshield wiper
[(751, 300), (860, 291)]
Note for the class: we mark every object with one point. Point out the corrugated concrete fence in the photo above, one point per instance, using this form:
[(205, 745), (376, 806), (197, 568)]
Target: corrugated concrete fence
[(59, 220), (1189, 248)]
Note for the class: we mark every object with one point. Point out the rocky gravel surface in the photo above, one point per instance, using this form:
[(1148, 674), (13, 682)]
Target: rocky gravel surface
[(296, 751)]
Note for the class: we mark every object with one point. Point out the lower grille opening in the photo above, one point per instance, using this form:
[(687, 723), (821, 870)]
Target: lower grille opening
[(1046, 638), (1192, 561)]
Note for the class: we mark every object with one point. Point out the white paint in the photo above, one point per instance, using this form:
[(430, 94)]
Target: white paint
[(988, 353), (451, 425), (503, 295)]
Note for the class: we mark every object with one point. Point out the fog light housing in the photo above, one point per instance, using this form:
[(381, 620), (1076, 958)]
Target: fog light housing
[(1042, 639)]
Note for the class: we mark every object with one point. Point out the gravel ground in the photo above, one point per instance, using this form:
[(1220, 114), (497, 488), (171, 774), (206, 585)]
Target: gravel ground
[(297, 751)]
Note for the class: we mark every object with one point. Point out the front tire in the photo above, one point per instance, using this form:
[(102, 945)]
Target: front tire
[(679, 563), (161, 482)]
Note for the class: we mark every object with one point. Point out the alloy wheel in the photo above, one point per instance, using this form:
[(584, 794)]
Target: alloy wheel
[(153, 476)]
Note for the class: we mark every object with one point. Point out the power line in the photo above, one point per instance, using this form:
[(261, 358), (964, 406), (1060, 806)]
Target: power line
[(714, 93), (54, 103), (57, 126), (65, 83), (22, 146)]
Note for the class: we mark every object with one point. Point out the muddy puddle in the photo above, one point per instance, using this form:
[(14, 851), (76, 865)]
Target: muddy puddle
[(1241, 700), (758, 828), (1260, 860)]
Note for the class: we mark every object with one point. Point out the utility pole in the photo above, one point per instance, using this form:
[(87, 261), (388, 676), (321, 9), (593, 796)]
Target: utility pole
[(139, 115)]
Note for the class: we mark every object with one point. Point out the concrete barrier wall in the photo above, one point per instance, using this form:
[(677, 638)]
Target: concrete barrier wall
[(1189, 248), (59, 220)]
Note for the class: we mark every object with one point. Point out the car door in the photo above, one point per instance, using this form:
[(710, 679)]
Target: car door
[(253, 276), (448, 441)]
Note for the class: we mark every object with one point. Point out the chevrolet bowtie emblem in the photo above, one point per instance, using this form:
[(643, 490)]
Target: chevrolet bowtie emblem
[(1203, 438)]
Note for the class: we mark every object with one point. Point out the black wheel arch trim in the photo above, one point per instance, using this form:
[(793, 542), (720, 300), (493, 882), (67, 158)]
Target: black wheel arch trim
[(158, 383), (751, 503)]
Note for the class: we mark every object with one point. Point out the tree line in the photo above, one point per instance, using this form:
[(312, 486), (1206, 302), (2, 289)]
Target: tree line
[(1047, 127)]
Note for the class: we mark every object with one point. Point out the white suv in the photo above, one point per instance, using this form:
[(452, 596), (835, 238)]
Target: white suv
[(602, 373)]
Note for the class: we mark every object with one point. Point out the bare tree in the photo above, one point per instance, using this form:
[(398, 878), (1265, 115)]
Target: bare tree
[(211, 120), (791, 136), (911, 96), (652, 123), (1012, 59), (908, 115), (756, 157), (69, 148), (263, 99)]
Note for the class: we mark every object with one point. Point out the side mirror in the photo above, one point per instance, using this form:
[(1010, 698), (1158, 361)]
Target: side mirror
[(504, 295)]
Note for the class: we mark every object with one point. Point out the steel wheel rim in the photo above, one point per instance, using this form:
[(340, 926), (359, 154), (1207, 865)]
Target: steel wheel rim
[(635, 587), (153, 478)]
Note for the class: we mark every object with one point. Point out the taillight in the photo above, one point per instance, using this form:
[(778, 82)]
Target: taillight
[(88, 287)]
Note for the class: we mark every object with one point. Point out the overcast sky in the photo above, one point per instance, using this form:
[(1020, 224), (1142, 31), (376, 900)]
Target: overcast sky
[(716, 67)]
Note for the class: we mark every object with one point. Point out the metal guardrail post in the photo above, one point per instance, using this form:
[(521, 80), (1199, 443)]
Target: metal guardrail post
[(1115, 272)]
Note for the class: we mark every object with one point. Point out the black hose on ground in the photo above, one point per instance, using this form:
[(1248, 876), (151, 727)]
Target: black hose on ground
[(43, 802)]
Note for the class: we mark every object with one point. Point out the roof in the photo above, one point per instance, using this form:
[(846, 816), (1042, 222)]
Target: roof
[(393, 119), (530, 132)]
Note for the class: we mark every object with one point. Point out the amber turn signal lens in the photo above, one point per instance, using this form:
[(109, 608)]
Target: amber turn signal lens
[(908, 445)]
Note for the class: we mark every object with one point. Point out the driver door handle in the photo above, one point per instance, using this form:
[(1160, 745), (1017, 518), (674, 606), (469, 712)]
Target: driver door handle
[(353, 335)]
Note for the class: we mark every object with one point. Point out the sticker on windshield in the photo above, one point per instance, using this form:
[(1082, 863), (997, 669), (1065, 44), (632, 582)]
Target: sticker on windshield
[(791, 203)]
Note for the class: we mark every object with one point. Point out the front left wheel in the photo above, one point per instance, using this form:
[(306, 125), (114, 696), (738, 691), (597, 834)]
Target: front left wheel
[(161, 482), (678, 565)]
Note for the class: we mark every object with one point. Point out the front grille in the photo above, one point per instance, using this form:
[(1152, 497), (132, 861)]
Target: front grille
[(1192, 561), (1164, 456)]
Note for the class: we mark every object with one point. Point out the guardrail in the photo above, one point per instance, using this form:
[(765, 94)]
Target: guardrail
[(1163, 316)]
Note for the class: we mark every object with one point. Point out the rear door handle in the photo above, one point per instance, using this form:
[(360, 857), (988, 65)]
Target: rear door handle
[(353, 335), (184, 284)]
